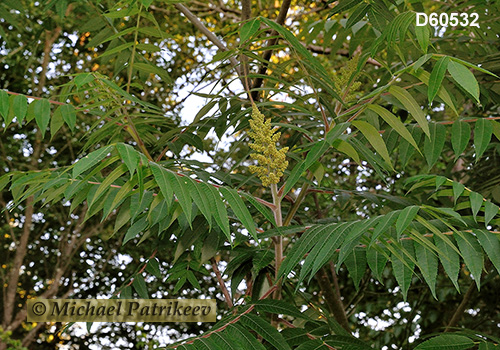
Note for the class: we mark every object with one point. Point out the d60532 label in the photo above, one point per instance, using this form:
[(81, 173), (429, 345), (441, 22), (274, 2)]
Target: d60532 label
[(444, 20)]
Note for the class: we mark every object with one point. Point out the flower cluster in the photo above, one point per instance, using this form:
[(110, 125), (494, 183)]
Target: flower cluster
[(272, 162), (342, 77)]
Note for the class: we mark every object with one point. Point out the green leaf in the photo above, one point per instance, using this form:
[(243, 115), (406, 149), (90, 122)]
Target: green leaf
[(403, 273), (146, 3), (278, 307), (472, 253), (218, 209), (333, 134), (428, 264), (202, 201), (151, 69), (437, 76), (347, 149), (135, 229), (423, 33), (239, 209), (20, 107), (249, 29), (464, 77), (491, 244), (490, 211), (460, 134), (83, 79), (294, 176), (476, 202), (446, 342), (449, 258), (153, 267), (375, 139), (395, 123), (161, 177), (265, 330), (56, 122), (458, 189), (482, 136), (405, 218), (356, 265), (181, 187), (4, 105), (42, 114), (377, 261), (90, 160), (129, 156), (117, 49), (140, 286), (69, 115), (265, 211), (433, 146), (383, 225), (412, 106), (243, 337), (488, 346)]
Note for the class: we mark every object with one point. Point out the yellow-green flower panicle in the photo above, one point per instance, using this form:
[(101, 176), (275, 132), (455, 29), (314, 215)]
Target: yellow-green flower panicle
[(271, 161)]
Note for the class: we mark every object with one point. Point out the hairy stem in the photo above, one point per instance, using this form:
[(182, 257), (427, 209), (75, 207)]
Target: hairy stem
[(278, 240)]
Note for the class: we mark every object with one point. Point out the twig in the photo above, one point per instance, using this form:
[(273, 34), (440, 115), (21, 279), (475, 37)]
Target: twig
[(285, 5), (210, 36), (222, 285), (457, 315)]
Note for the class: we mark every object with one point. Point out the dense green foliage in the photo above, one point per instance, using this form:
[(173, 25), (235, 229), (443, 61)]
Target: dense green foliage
[(381, 233)]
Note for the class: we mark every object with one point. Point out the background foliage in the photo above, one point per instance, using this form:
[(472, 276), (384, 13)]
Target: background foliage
[(382, 232)]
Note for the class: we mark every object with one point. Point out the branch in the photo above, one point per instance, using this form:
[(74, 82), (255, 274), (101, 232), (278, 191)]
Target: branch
[(222, 285), (334, 303), (210, 36), (459, 312), (285, 5)]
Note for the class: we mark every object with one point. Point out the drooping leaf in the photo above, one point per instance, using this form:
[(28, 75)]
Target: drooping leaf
[(135, 229), (20, 107), (69, 115), (4, 105), (218, 209), (373, 136), (464, 77), (476, 202), (472, 253), (490, 211), (405, 218), (437, 76), (42, 114), (433, 146), (395, 123), (428, 264), (491, 244), (129, 156), (240, 209), (377, 260), (449, 259), (140, 286), (163, 181), (412, 106), (265, 330), (460, 135), (403, 271), (356, 265), (482, 136)]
